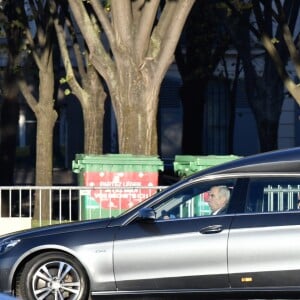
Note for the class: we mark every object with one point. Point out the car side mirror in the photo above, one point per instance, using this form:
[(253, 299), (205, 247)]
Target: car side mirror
[(146, 214)]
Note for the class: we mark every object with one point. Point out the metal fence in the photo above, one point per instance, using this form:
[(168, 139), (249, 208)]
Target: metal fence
[(281, 198), (69, 203)]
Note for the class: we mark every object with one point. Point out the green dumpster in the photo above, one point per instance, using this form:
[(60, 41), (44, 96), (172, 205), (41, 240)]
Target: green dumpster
[(117, 181), (185, 165), (182, 165)]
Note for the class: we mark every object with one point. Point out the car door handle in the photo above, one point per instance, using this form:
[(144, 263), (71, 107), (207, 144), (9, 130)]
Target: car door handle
[(211, 229)]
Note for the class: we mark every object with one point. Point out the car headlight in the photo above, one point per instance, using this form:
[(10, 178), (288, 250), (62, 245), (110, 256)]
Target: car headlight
[(7, 245)]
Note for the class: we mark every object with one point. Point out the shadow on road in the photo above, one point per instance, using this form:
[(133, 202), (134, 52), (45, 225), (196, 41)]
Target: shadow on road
[(189, 297)]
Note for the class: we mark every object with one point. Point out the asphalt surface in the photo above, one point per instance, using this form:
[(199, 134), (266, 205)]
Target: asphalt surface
[(187, 297)]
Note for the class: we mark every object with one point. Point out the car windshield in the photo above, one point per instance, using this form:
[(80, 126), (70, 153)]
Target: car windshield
[(142, 203)]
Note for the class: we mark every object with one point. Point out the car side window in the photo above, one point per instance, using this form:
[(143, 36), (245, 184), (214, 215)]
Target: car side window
[(195, 200), (273, 195)]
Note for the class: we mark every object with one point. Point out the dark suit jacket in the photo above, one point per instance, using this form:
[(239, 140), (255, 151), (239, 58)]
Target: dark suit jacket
[(222, 211)]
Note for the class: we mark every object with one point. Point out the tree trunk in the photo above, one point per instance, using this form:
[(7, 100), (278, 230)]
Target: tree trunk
[(268, 134), (46, 117), (40, 39), (136, 118), (9, 130), (265, 93), (92, 102), (267, 109), (140, 126), (203, 45), (93, 116), (9, 123), (8, 137), (44, 162), (193, 99), (10, 103), (142, 40)]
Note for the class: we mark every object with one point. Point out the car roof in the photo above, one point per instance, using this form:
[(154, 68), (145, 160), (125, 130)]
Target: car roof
[(278, 161)]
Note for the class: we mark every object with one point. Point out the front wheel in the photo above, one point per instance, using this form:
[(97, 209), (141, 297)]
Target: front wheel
[(51, 276)]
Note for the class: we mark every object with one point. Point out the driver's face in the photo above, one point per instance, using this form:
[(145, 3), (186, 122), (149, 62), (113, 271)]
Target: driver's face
[(215, 199)]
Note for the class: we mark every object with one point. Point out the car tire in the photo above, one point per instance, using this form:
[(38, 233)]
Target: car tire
[(53, 275)]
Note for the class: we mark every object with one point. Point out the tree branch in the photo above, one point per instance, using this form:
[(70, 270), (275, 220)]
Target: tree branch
[(81, 58), (32, 48), (288, 82), (121, 11), (137, 7), (104, 21), (166, 18), (98, 55), (172, 34), (30, 99), (71, 78), (286, 32), (292, 48), (145, 26)]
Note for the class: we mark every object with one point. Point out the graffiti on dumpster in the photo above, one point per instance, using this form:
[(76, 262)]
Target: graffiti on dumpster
[(121, 189)]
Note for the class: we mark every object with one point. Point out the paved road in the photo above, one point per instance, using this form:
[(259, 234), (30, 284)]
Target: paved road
[(186, 298)]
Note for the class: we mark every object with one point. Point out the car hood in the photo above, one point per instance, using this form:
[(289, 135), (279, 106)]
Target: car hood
[(56, 229)]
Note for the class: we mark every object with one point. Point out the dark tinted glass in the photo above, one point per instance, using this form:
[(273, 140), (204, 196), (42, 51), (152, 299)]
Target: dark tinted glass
[(273, 195)]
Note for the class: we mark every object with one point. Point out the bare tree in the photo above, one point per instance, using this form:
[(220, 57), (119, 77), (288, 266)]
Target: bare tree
[(265, 92), (40, 96), (9, 115), (83, 79), (132, 53), (201, 48), (285, 15)]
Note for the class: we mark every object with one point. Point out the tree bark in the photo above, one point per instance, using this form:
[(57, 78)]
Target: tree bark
[(135, 103), (93, 117), (140, 53), (88, 88), (44, 163), (43, 107)]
